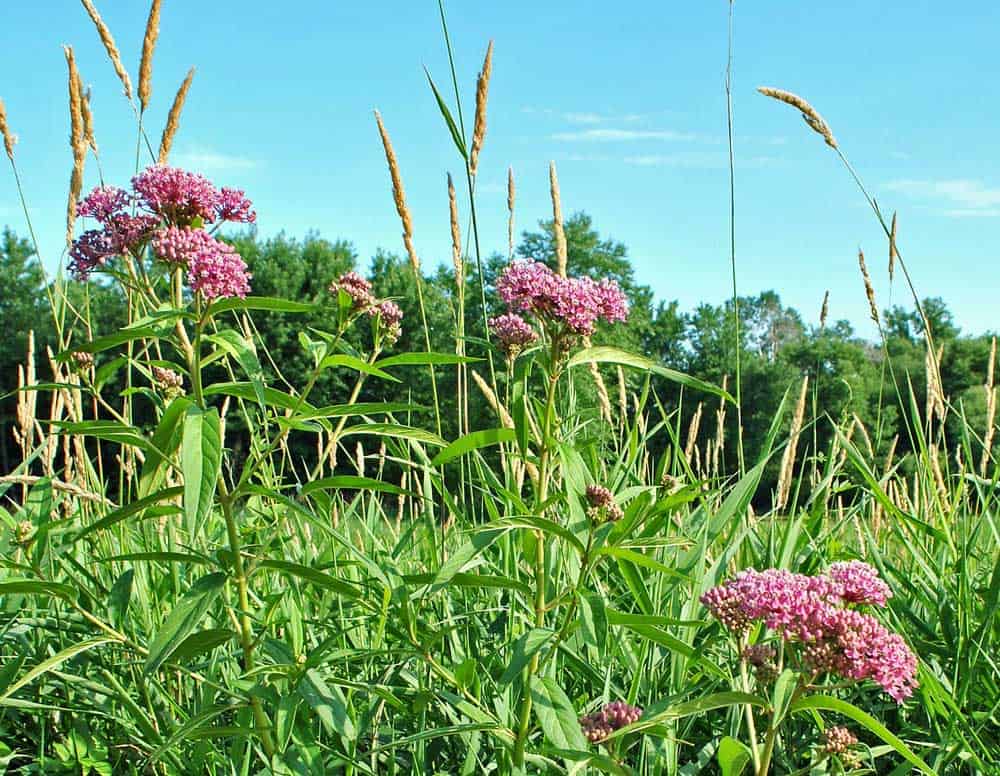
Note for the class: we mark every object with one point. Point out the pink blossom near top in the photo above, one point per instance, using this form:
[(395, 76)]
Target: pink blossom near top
[(129, 233), (814, 612), (233, 205), (513, 333), (357, 288), (103, 202), (176, 195), (578, 303), (861, 583)]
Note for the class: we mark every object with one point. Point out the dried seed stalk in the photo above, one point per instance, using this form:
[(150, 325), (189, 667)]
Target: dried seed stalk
[(174, 119), (482, 92), (110, 47), (398, 195), (9, 138), (809, 113), (557, 221), (869, 289), (146, 63)]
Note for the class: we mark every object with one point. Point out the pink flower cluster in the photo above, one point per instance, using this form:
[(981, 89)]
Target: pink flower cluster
[(390, 318), (577, 303), (602, 504), (838, 739), (813, 612), (513, 333), (600, 724), (179, 197), (162, 206), (214, 267), (357, 288)]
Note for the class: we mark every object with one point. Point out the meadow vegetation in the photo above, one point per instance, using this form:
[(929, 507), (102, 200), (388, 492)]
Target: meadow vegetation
[(264, 513)]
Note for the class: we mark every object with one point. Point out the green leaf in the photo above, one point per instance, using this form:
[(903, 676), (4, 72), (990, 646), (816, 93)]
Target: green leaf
[(477, 544), (37, 587), (424, 359), (107, 342), (201, 462), (594, 619), (183, 619), (328, 704), (128, 510), (524, 649), (733, 756), (359, 408), (270, 397), (473, 441), (119, 597), (352, 362), (452, 127), (828, 703), (781, 696), (556, 714), (260, 303), (245, 353), (109, 430), (166, 440), (395, 431), (351, 482), (605, 354), (312, 575), (50, 663), (200, 642)]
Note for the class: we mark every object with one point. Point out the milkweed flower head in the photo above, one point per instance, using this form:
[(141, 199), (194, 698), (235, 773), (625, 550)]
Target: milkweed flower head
[(576, 304), (166, 208), (357, 288), (389, 318), (598, 725), (602, 504), (816, 614), (176, 195), (838, 739), (513, 333)]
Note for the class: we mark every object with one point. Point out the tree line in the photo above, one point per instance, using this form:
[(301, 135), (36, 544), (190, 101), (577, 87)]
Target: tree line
[(849, 377)]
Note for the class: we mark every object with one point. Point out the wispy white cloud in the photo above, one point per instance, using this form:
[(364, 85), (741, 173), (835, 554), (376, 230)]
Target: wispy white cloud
[(712, 160), (208, 160), (623, 135), (585, 117), (958, 198)]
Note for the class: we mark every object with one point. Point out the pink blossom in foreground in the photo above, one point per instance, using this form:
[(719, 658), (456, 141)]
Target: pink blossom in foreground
[(838, 739), (233, 205), (130, 233), (178, 245), (513, 333), (860, 582), (176, 195), (814, 612), (357, 288), (90, 251), (614, 716), (102, 203), (218, 271)]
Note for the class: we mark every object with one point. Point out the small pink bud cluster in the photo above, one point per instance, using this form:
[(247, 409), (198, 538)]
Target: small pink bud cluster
[(813, 612), (357, 288), (167, 380), (82, 360), (513, 333), (602, 504), (838, 739), (761, 657), (575, 303), (172, 205), (390, 318), (598, 725), (214, 267)]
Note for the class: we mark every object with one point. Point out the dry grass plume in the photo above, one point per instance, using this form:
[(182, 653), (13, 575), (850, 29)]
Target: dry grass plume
[(558, 232), (482, 92), (77, 141), (510, 212), (146, 63), (174, 119), (869, 289), (109, 45), (398, 195), (809, 113)]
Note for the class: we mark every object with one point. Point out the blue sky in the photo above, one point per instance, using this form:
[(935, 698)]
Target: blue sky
[(627, 98)]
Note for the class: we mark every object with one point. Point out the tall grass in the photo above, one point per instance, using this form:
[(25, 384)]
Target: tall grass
[(169, 607)]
